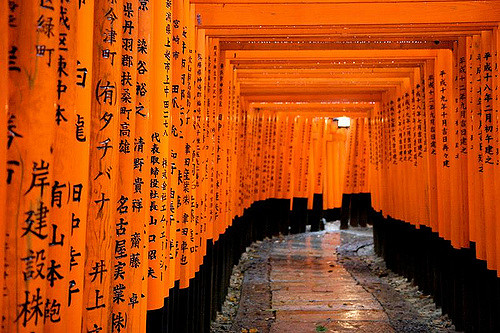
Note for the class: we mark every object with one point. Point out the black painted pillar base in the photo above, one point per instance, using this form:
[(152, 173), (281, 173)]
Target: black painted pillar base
[(460, 284), (154, 321), (332, 214), (356, 210), (316, 213), (298, 216), (283, 208), (345, 211), (190, 310)]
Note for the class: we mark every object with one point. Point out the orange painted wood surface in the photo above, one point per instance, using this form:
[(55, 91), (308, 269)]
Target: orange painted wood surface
[(137, 132)]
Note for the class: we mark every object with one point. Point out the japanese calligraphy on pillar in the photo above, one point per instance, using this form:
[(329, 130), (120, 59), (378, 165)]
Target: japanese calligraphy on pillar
[(100, 270), (29, 230)]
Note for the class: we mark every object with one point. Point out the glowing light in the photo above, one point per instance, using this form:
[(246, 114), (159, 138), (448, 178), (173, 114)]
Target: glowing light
[(344, 121)]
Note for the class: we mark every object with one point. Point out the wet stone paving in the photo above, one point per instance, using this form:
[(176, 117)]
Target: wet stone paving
[(312, 292), (326, 281)]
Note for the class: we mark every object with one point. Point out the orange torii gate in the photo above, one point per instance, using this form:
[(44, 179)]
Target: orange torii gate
[(148, 142)]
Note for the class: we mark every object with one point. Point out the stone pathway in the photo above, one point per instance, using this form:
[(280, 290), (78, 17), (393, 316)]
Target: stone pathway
[(312, 292), (327, 281)]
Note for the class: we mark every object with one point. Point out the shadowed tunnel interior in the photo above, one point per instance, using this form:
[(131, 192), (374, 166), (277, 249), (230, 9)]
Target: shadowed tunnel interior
[(149, 142)]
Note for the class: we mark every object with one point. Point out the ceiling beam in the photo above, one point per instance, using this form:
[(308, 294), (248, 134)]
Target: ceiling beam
[(303, 13)]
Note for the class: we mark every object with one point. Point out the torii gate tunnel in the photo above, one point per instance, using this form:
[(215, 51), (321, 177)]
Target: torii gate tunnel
[(149, 142)]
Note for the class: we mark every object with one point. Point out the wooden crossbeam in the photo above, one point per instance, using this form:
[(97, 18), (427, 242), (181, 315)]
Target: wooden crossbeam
[(367, 32), (275, 96), (291, 14), (318, 43), (332, 55)]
